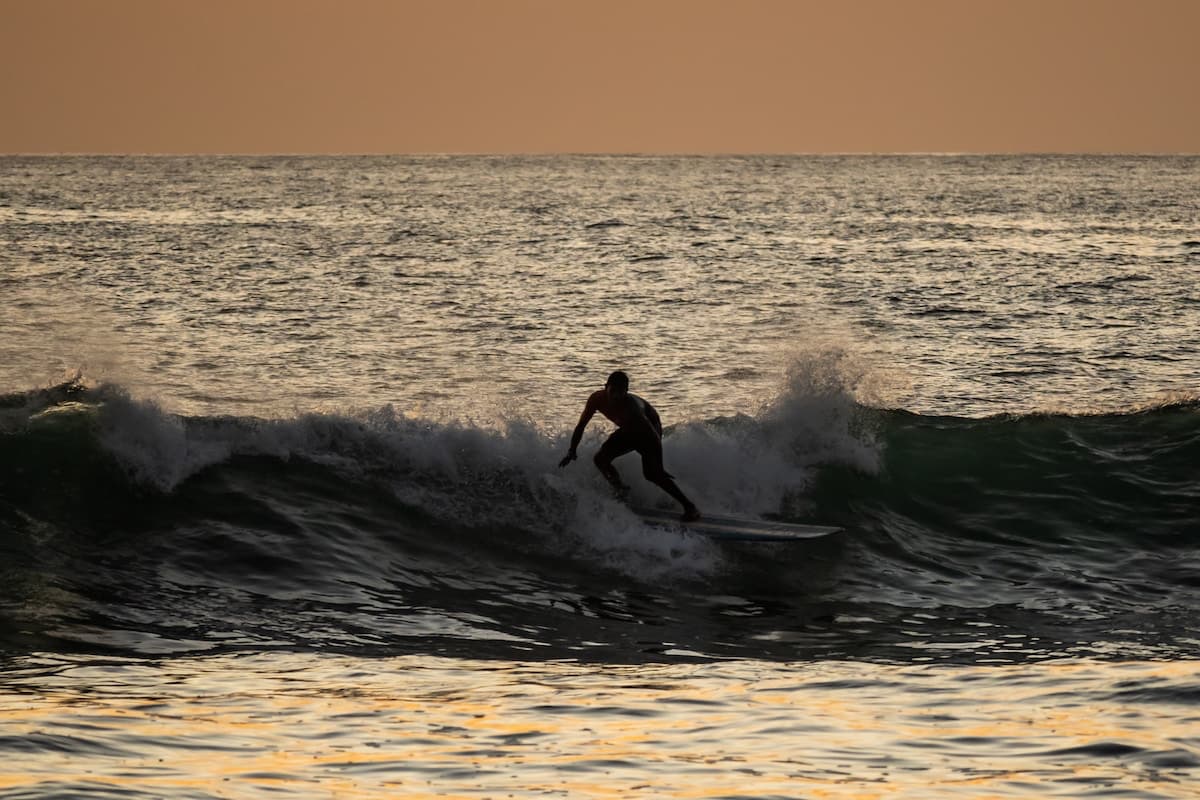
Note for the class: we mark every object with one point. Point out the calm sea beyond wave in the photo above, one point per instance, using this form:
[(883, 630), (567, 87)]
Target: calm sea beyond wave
[(281, 511)]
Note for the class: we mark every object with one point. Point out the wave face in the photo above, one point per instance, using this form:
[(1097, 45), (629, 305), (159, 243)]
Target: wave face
[(127, 529)]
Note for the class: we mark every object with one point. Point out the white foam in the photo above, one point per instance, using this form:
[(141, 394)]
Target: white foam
[(506, 474), (153, 446), (763, 463)]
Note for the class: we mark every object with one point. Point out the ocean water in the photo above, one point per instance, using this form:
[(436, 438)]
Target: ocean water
[(280, 510)]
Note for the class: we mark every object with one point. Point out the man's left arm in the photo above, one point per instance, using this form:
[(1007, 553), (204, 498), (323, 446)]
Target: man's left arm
[(642, 415), (652, 417)]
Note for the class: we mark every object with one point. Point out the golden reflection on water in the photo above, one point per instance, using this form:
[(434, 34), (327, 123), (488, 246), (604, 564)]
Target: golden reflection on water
[(423, 727)]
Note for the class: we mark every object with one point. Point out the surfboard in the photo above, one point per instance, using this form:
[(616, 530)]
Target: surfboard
[(744, 529)]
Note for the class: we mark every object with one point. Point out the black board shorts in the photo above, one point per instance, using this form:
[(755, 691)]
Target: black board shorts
[(647, 445)]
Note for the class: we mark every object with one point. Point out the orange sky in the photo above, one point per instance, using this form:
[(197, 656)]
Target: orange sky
[(779, 76)]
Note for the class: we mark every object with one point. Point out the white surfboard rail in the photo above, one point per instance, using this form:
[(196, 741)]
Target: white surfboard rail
[(737, 528)]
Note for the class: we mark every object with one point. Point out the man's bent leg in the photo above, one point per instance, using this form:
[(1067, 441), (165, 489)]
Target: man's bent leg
[(670, 487), (612, 476), (616, 445), (652, 469)]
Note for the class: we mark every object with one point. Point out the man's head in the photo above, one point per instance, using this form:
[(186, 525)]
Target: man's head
[(617, 384)]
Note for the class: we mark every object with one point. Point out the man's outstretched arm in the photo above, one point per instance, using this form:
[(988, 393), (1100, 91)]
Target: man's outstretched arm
[(577, 436)]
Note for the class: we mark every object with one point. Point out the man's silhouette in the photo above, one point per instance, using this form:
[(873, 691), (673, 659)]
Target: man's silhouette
[(638, 428)]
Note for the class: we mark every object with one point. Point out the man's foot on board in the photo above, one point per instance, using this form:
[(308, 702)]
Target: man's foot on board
[(622, 493), (690, 514)]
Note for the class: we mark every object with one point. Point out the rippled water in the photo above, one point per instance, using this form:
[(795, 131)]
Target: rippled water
[(969, 285), (422, 727), (280, 510)]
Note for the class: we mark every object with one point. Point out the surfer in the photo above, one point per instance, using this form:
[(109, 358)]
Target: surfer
[(638, 428)]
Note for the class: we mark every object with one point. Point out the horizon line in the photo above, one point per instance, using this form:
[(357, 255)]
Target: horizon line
[(592, 154)]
